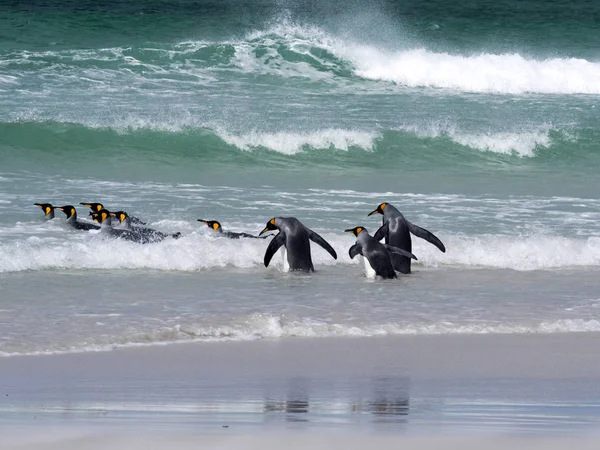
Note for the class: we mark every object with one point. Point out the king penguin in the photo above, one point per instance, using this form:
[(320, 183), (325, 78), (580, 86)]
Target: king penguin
[(69, 210), (396, 230), (96, 207), (377, 255), (213, 224), (151, 233), (104, 217), (47, 208), (295, 237)]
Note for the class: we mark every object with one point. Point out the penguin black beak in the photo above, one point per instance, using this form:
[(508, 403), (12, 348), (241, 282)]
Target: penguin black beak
[(203, 221), (374, 212), (59, 208), (264, 231), (351, 230)]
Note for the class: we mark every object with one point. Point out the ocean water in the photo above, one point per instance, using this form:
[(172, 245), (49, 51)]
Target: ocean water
[(478, 120)]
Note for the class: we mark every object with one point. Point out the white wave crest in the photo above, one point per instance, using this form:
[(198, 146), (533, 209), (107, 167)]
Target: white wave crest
[(502, 74), (290, 143), (509, 252), (519, 142), (488, 73), (196, 251)]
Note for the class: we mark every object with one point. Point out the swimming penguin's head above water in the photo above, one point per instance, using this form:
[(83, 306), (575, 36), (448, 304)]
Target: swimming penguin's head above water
[(47, 208), (212, 224), (69, 210), (379, 210), (93, 206), (103, 216), (120, 215), (355, 231)]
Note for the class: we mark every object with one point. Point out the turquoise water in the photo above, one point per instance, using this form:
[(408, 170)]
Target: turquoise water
[(478, 120)]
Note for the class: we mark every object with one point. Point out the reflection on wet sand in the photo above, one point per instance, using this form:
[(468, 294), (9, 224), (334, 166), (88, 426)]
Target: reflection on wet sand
[(376, 399)]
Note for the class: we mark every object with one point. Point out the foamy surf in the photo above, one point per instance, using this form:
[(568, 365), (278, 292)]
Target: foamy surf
[(197, 251), (266, 326)]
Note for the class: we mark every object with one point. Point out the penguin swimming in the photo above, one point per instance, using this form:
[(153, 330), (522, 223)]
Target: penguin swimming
[(396, 230), (124, 218), (105, 219), (47, 208), (377, 255), (69, 210), (228, 234), (295, 237), (96, 207)]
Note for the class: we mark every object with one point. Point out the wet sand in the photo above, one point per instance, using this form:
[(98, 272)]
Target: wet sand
[(428, 391)]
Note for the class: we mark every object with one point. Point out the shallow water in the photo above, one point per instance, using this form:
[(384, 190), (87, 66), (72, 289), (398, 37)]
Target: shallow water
[(479, 121)]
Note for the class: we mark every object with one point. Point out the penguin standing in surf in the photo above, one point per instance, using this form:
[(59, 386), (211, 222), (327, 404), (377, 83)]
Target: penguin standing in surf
[(213, 224), (377, 256), (396, 230), (47, 208), (295, 237), (72, 220)]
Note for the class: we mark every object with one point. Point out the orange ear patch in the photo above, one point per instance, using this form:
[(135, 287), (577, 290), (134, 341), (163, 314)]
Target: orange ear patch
[(382, 206), (272, 221), (215, 226)]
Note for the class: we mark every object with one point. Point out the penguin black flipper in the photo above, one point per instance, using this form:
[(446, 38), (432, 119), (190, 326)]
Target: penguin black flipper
[(274, 245), (391, 249), (322, 242), (427, 235), (356, 249), (381, 232)]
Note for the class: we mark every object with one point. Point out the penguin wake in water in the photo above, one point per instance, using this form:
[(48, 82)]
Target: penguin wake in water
[(396, 230), (295, 237), (72, 220), (105, 219), (377, 256), (96, 207), (213, 224), (124, 219), (47, 208)]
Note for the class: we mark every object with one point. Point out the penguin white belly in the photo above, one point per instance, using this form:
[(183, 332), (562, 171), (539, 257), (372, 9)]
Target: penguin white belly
[(286, 264), (369, 271)]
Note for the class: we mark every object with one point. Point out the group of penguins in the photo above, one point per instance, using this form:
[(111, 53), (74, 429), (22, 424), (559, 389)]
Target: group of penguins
[(382, 260)]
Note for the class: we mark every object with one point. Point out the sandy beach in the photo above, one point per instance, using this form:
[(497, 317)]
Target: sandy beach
[(421, 391)]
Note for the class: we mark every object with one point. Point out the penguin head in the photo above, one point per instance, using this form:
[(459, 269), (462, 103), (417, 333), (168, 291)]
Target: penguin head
[(102, 216), (355, 231), (212, 224), (121, 215), (46, 207), (271, 225), (379, 209), (69, 210), (93, 206)]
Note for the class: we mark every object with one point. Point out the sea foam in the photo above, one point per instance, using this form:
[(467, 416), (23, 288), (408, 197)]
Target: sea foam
[(268, 326), (196, 251)]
